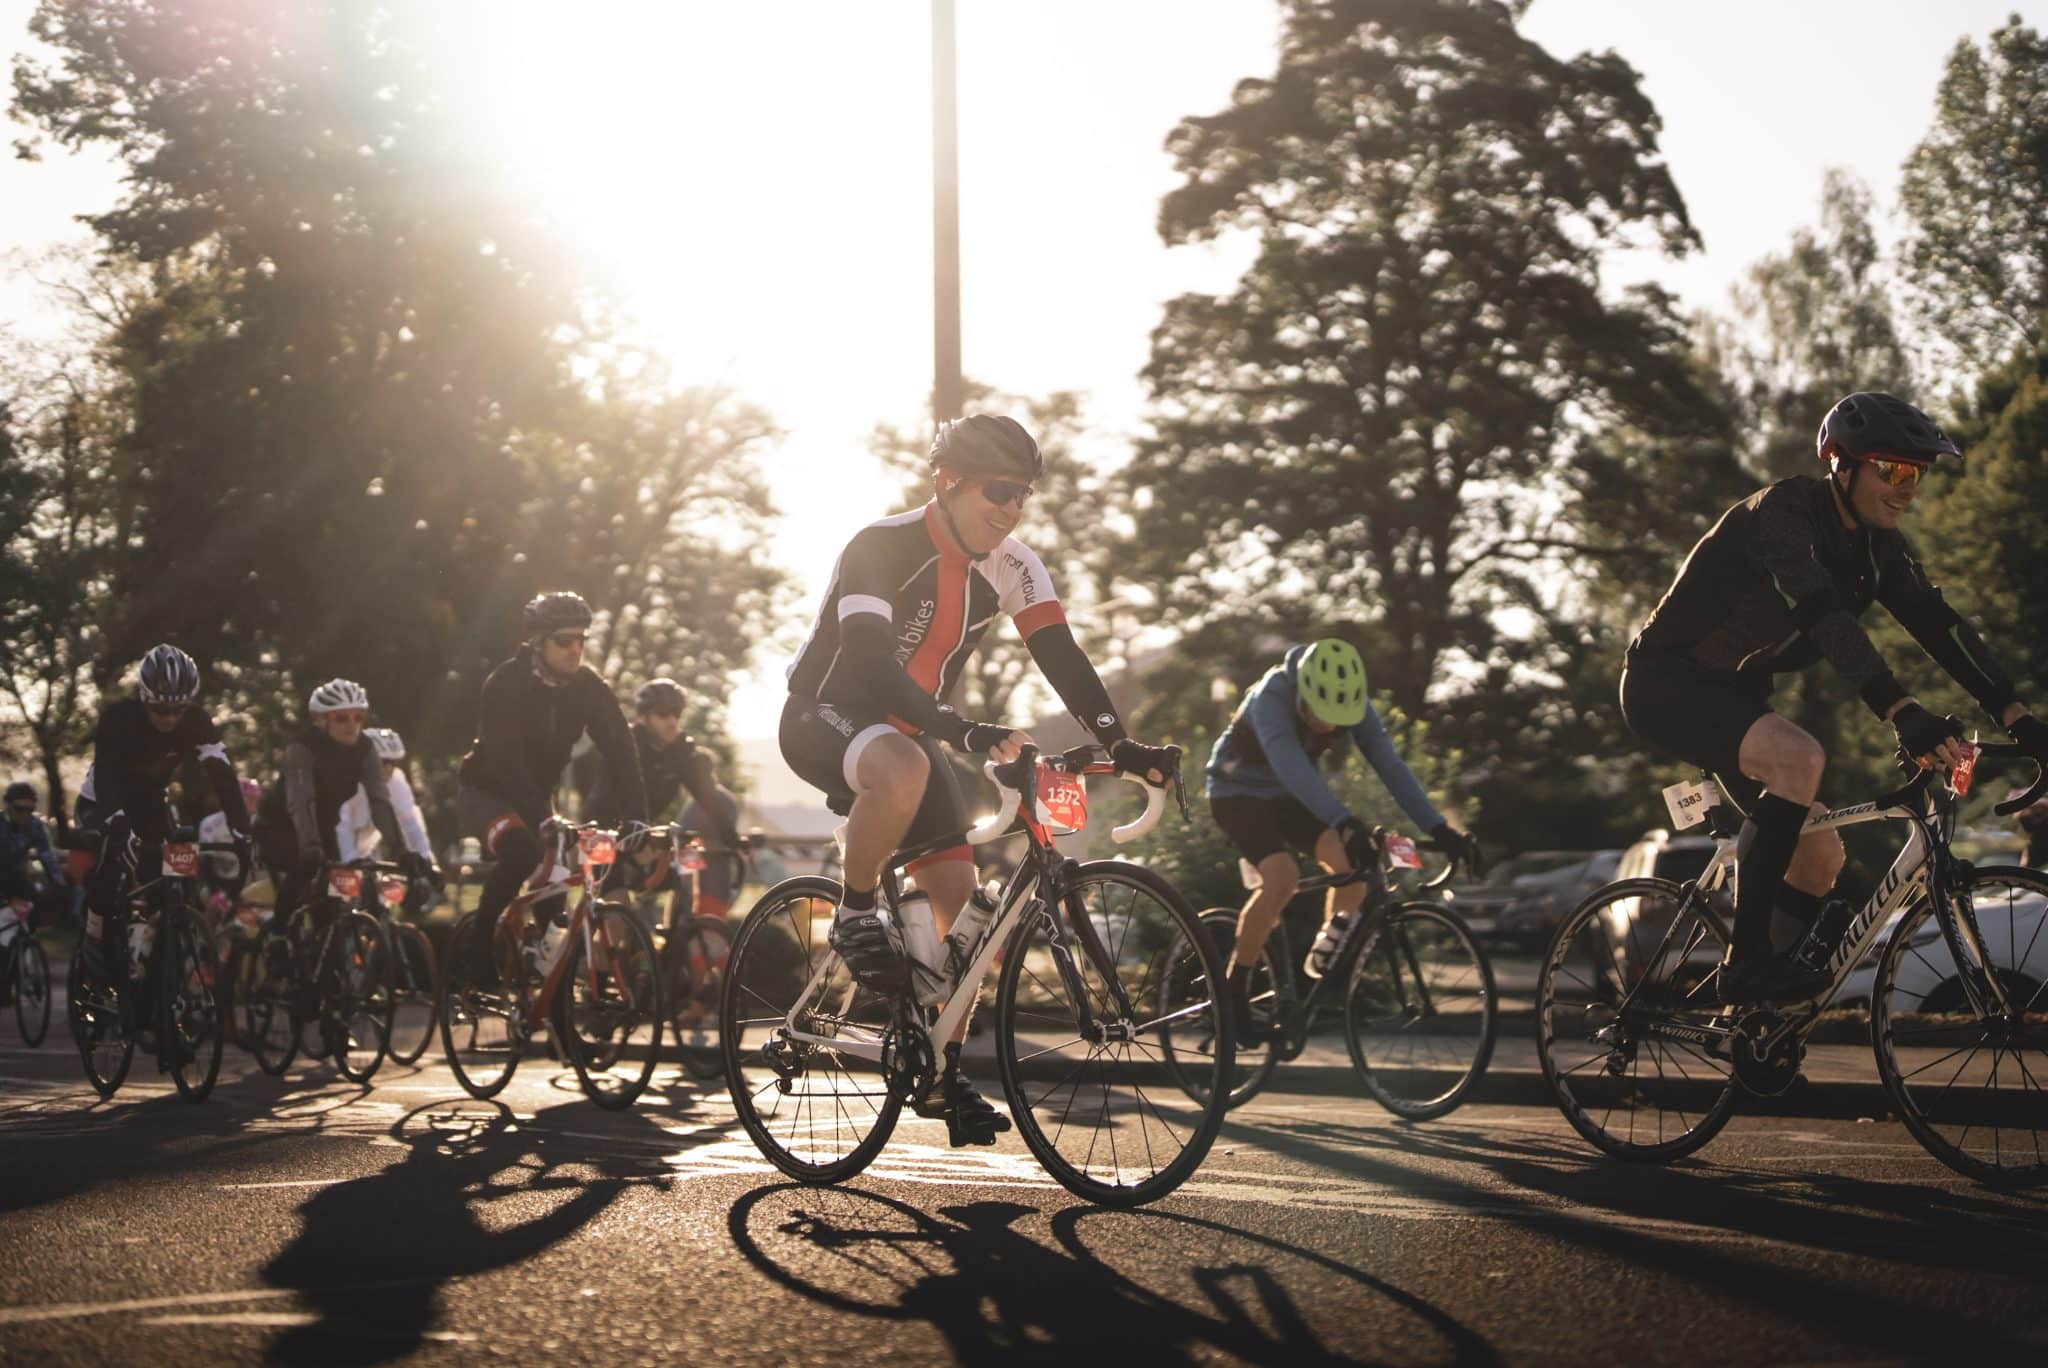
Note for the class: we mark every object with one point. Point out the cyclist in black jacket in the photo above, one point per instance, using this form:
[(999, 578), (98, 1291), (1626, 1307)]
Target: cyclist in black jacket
[(1776, 585), (669, 762), (535, 706), (138, 747)]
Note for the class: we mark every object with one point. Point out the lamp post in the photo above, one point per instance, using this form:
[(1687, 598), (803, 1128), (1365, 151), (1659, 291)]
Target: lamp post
[(946, 395)]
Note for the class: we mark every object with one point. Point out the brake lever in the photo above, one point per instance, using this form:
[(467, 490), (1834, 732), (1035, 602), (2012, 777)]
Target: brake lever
[(1180, 789)]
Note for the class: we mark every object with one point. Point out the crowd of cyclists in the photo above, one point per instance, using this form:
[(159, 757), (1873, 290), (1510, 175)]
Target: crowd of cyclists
[(1777, 584)]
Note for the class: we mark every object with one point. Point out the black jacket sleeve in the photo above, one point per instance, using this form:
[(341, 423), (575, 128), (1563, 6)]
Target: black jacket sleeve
[(1909, 596), (212, 754), (1072, 675), (865, 639), (301, 802), (606, 722), (701, 780)]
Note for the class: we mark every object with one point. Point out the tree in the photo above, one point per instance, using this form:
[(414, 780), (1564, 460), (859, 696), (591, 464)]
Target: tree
[(1976, 194), (1375, 424)]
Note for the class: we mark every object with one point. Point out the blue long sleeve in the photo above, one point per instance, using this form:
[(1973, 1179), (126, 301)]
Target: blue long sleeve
[(1378, 749), (1272, 717)]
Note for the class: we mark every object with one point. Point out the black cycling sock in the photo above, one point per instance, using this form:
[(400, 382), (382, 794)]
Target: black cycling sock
[(858, 899), (1760, 872), (1799, 905)]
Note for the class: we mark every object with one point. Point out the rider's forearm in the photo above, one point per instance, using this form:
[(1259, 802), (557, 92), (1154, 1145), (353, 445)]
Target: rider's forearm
[(1378, 749), (1072, 676)]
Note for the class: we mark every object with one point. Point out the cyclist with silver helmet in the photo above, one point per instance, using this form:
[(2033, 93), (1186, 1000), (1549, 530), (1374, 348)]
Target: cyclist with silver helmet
[(138, 748), (323, 767), (356, 834), (1266, 790), (1773, 587), (535, 707), (670, 761), (910, 597)]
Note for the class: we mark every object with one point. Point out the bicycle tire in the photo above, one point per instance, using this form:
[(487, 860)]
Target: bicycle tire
[(696, 956), (188, 1011), (271, 1017), (778, 948), (415, 993), (1188, 1050), (479, 1033), (96, 1031), (608, 1009), (1574, 1005), (355, 1000), (1912, 1025), (31, 990), (1146, 958), (1456, 983)]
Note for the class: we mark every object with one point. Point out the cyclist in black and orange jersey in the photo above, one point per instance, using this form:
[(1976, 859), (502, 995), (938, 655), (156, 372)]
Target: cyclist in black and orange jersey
[(910, 597)]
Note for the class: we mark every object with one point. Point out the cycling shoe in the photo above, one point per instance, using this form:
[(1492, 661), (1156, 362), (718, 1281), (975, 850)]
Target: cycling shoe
[(861, 939)]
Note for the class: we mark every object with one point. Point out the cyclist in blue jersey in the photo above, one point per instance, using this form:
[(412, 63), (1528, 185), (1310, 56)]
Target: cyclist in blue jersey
[(1268, 794)]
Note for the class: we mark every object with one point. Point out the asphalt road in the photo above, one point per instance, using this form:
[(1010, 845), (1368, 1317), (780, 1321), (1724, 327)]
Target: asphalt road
[(306, 1220)]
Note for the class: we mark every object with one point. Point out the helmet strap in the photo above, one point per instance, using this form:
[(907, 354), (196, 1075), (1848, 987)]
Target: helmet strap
[(1844, 492), (946, 517)]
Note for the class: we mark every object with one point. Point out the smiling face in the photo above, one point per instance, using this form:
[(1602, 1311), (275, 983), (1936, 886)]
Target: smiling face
[(1877, 501), (562, 652), (982, 521)]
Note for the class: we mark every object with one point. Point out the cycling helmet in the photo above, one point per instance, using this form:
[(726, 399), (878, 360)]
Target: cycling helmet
[(1868, 425), (1331, 681), (554, 610), (20, 791), (252, 793), (390, 745), (987, 445), (167, 675), (659, 695), (339, 695)]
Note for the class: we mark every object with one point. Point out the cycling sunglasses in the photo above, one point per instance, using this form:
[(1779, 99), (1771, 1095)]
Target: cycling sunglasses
[(355, 715), (567, 639), (1898, 474), (1005, 491), (167, 709)]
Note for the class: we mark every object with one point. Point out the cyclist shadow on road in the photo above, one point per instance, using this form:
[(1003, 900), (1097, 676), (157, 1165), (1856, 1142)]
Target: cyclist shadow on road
[(374, 1252), (994, 1292)]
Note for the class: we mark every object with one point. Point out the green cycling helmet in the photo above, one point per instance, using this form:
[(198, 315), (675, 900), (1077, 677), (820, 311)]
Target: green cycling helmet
[(1332, 682)]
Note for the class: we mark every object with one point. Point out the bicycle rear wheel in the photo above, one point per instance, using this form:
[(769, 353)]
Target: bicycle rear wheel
[(1627, 1026), (31, 990), (1188, 1044), (482, 1030), (1971, 1082), (103, 1047), (1419, 1011), (608, 1010), (818, 1112), (1089, 1101), (189, 1016), (268, 995), (414, 992), (696, 956), (356, 1001)]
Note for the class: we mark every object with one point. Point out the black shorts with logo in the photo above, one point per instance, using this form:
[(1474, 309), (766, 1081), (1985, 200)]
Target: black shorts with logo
[(1259, 827), (821, 740), (1697, 714)]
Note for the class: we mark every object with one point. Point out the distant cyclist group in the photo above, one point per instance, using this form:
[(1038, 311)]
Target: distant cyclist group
[(1777, 584)]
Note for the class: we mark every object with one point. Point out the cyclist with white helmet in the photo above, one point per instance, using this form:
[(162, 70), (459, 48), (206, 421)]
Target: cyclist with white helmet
[(1267, 792), (323, 767), (138, 748), (356, 833)]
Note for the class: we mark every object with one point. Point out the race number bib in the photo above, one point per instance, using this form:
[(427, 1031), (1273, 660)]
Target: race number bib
[(345, 884), (1688, 803), (1402, 854), (181, 861), (598, 848), (1062, 801)]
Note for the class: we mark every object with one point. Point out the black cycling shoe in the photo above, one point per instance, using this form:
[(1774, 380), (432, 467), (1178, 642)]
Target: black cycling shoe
[(861, 940), (1766, 980), (1249, 1027), (970, 1118)]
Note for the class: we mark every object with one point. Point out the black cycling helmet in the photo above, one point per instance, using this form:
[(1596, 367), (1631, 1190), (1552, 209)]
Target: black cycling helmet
[(20, 791), (983, 444), (659, 696), (554, 610), (167, 675), (1868, 425)]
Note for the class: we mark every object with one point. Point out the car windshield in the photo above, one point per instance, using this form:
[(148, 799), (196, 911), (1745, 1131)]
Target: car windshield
[(1530, 862)]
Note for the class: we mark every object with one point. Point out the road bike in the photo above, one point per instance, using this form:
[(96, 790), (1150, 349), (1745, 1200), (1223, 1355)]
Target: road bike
[(1648, 1063), (326, 990), (820, 1068), (1413, 988), (415, 988), (24, 969), (692, 949), (164, 995), (592, 976)]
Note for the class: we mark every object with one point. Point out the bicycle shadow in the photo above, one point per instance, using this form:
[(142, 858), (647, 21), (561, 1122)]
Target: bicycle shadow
[(373, 1253), (993, 1292)]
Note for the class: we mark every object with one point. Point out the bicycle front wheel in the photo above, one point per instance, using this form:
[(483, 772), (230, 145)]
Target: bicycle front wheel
[(801, 1039), (1628, 1030), (608, 1009), (414, 992), (696, 955), (189, 1016), (1970, 1077), (1188, 1044), (483, 1030), (1089, 990), (1419, 1011), (31, 990), (268, 994), (355, 1014), (103, 1047)]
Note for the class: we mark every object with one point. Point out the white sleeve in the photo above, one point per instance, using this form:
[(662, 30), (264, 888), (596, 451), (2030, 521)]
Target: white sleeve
[(355, 815), (412, 824), (1022, 583), (213, 828)]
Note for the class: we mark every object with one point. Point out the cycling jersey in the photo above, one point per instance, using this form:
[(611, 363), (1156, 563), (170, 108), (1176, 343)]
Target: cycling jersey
[(1267, 751), (527, 729), (356, 834), (133, 763), (1779, 583), (319, 775), (20, 842), (664, 769)]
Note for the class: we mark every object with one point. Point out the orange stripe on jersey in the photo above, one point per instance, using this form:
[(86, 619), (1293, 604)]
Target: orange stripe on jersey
[(948, 624), (1047, 614)]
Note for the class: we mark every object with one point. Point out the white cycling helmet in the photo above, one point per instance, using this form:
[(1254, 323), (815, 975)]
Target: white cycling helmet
[(339, 695), (390, 745)]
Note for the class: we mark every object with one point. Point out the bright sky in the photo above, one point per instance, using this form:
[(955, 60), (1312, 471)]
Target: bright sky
[(754, 181)]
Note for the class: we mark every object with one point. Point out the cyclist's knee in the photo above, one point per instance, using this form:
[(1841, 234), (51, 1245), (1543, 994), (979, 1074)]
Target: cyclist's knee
[(1823, 851), (1784, 758), (1279, 877), (893, 769)]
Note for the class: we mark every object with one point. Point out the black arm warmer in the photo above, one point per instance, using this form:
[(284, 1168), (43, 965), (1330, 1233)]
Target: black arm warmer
[(866, 640), (1067, 668), (614, 740)]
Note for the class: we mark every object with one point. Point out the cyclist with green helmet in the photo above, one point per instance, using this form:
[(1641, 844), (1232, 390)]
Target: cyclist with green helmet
[(1266, 791)]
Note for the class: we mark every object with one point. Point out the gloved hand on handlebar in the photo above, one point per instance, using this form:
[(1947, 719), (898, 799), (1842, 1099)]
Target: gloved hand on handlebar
[(1361, 847), (1922, 735), (1461, 846), (1153, 764), (2030, 734), (412, 864), (999, 744), (311, 857)]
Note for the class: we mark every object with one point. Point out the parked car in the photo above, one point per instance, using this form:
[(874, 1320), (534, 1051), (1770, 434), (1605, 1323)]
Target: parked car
[(1637, 925), (1927, 979), (1542, 900), (1481, 904)]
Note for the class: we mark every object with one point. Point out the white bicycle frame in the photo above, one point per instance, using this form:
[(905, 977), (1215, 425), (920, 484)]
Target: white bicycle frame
[(864, 1042)]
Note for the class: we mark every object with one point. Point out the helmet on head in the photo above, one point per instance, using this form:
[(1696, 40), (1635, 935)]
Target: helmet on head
[(554, 610), (1331, 681), (1867, 426), (984, 444), (662, 695), (20, 791), (389, 744), (252, 793), (339, 695), (167, 675)]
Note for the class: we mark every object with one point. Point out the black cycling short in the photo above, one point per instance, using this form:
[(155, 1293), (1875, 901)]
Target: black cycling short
[(822, 742), (1697, 714), (1259, 827)]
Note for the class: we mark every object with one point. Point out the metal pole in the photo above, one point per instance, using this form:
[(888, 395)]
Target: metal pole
[(946, 390)]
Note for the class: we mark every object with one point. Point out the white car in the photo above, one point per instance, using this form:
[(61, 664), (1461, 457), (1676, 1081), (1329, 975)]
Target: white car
[(1927, 976)]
